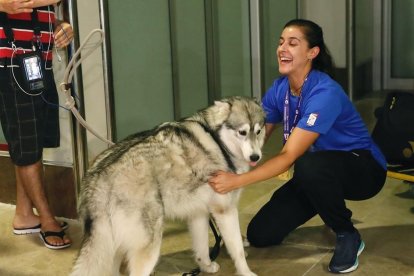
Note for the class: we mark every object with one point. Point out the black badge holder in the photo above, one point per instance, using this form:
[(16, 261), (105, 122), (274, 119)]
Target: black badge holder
[(30, 62)]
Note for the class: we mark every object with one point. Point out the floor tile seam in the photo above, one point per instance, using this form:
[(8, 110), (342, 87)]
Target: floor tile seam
[(309, 245), (409, 260), (316, 263)]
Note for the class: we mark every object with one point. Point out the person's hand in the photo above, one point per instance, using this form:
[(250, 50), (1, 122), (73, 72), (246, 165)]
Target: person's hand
[(63, 34), (224, 182), (16, 6)]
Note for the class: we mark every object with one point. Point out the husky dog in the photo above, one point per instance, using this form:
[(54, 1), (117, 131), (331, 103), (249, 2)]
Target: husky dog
[(163, 173)]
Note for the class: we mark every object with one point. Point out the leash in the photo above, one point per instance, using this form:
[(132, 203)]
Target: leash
[(214, 251), (66, 85)]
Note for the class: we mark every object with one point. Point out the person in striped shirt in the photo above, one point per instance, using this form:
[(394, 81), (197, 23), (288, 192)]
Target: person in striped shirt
[(30, 121)]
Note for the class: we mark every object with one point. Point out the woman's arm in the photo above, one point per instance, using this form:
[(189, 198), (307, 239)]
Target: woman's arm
[(298, 143)]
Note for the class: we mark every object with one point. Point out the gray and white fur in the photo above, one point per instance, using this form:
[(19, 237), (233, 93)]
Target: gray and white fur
[(163, 173)]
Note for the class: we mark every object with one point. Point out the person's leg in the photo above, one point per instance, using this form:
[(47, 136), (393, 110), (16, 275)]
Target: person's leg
[(31, 177), (328, 178), (24, 216), (30, 124), (285, 211)]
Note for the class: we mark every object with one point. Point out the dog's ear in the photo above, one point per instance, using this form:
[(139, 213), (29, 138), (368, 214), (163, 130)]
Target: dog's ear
[(220, 111), (222, 106)]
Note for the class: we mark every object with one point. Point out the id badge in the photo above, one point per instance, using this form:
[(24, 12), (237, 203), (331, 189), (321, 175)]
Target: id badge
[(32, 72)]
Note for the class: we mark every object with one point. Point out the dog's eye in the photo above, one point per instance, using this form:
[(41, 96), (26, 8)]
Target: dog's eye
[(258, 132), (242, 132)]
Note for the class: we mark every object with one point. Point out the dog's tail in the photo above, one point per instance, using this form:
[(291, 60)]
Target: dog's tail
[(97, 254)]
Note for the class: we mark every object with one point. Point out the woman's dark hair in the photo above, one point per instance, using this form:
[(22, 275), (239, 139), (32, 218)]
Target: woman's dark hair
[(314, 35)]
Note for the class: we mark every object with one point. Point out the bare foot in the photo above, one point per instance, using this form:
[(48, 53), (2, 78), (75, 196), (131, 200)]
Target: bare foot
[(54, 226), (25, 221)]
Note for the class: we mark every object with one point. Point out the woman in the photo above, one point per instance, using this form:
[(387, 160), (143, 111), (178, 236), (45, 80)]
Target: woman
[(327, 141)]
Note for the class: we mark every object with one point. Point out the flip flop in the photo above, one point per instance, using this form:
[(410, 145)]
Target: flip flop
[(36, 229), (61, 234)]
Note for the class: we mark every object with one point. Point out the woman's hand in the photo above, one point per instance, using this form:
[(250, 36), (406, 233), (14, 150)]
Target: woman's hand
[(224, 182), (63, 34), (16, 6)]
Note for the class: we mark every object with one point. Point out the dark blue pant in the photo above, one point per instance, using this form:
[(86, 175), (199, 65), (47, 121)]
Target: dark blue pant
[(321, 182)]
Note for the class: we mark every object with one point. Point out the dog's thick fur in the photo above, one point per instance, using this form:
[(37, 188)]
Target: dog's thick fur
[(163, 173)]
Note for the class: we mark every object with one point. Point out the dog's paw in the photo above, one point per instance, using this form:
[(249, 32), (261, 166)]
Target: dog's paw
[(213, 267), (246, 242)]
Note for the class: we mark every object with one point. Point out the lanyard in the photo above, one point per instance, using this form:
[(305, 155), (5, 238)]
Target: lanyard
[(287, 129), (35, 24)]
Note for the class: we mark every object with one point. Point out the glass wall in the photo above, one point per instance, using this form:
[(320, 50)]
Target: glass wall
[(189, 56), (141, 64), (402, 39), (274, 15), (231, 36), (170, 58), (364, 43), (398, 40)]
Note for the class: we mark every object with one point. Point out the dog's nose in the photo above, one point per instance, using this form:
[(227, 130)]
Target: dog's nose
[(254, 157)]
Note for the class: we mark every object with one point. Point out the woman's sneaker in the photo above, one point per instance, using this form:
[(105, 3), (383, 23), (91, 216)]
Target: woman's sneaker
[(348, 247)]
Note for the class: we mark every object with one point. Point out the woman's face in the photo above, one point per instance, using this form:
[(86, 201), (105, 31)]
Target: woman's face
[(293, 53)]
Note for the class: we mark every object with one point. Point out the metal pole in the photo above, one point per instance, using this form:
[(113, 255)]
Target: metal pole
[(377, 51), (174, 60), (350, 47), (79, 145), (212, 55), (107, 71), (255, 46)]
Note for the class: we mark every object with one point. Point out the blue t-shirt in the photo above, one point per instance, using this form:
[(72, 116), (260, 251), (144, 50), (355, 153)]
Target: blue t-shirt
[(325, 109)]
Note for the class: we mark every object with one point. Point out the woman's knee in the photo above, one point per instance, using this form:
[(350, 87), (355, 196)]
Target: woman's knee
[(312, 170), (260, 235), (307, 166)]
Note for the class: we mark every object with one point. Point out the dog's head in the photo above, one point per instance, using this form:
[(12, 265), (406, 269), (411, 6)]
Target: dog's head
[(240, 122)]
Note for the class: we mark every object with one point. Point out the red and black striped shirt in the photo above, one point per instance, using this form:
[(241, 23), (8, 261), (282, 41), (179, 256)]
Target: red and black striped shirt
[(22, 27)]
